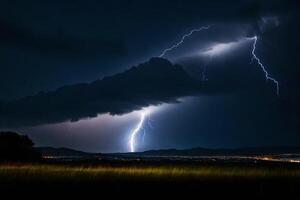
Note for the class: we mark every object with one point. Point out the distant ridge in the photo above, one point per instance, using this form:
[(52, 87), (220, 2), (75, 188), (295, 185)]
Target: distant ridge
[(247, 151), (62, 152), (223, 152)]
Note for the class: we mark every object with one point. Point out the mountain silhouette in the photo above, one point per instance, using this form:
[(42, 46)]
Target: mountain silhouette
[(245, 151)]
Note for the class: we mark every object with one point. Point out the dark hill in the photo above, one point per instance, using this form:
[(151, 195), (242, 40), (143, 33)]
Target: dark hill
[(15, 147), (251, 151), (62, 152)]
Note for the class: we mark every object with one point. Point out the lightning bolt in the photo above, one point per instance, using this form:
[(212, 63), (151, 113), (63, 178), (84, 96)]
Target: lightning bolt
[(182, 40), (221, 47), (136, 131), (267, 75)]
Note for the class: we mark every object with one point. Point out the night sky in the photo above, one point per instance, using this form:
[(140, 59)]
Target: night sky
[(208, 92)]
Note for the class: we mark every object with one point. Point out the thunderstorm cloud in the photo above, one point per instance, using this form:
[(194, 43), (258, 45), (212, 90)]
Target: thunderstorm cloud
[(61, 48), (154, 82)]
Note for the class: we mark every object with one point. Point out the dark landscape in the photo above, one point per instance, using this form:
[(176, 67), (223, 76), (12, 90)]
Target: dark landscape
[(264, 171), (159, 99)]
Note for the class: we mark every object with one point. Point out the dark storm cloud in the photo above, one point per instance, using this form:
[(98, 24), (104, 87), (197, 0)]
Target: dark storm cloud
[(154, 82), (82, 40), (47, 44), (68, 46), (151, 83)]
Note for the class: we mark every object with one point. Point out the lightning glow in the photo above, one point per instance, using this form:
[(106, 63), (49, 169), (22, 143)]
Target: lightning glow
[(216, 49), (219, 48), (267, 75), (222, 48), (182, 39), (136, 131)]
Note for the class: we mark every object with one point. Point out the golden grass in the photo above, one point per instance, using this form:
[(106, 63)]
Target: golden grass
[(45, 172)]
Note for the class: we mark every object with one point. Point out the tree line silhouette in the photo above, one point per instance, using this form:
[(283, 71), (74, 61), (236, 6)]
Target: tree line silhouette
[(15, 147)]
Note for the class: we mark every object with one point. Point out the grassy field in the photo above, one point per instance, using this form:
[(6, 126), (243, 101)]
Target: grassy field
[(172, 178), (73, 173)]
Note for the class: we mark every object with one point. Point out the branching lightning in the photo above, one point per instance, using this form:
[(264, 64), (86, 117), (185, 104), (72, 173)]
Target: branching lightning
[(267, 75), (223, 47), (216, 49), (182, 39)]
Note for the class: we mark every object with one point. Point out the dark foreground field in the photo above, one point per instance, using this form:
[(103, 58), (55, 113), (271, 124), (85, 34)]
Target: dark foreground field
[(262, 179)]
